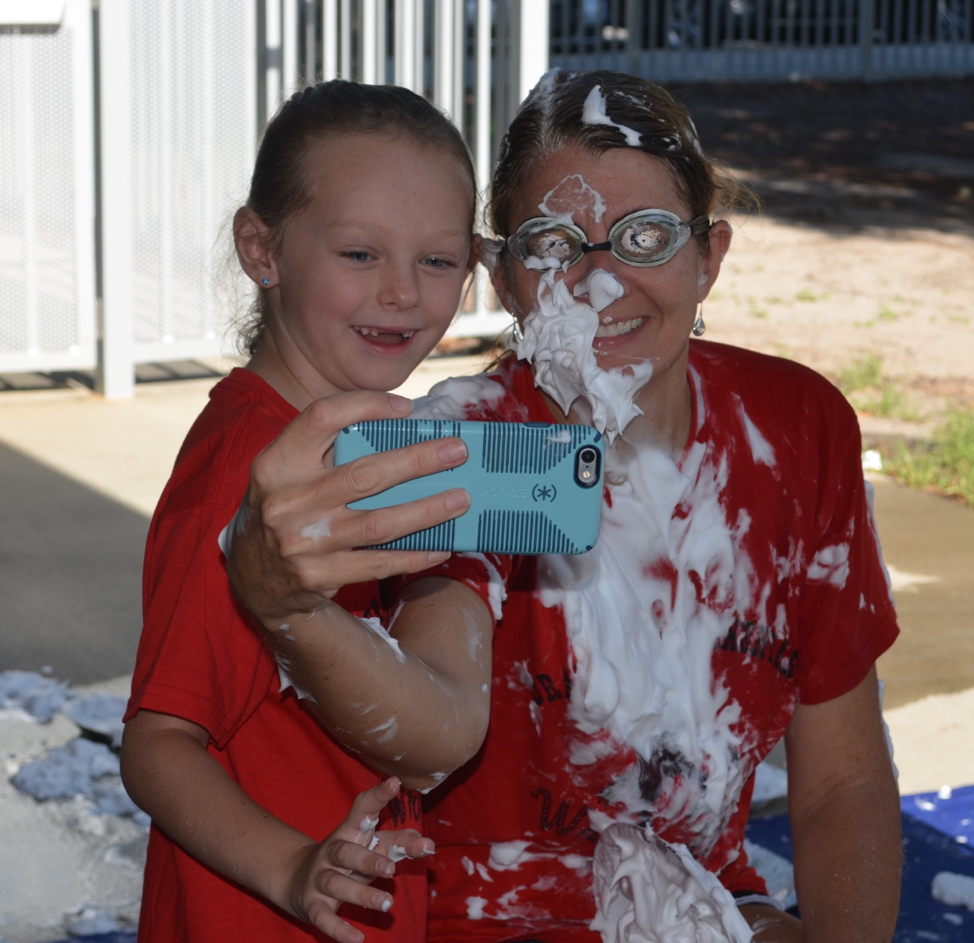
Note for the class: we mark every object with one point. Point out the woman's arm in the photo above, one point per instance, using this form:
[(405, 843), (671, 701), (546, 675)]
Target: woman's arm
[(845, 819), (170, 775), (413, 701), (294, 539)]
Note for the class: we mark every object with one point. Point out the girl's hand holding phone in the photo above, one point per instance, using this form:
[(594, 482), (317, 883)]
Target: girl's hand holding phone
[(340, 869), (293, 541)]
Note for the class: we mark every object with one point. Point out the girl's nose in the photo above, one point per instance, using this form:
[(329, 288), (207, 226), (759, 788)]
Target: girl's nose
[(400, 289)]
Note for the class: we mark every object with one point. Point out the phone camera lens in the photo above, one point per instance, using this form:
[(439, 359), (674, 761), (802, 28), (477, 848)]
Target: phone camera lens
[(588, 455)]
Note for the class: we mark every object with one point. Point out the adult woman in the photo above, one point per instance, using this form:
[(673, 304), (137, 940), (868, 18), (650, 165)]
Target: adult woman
[(736, 592)]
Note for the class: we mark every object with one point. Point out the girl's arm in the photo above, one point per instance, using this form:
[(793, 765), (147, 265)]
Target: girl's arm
[(170, 775), (845, 819), (413, 701)]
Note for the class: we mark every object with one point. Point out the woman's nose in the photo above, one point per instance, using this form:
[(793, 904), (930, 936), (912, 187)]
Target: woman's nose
[(595, 279)]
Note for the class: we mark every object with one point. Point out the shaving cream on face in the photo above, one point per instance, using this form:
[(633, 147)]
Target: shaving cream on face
[(602, 288), (557, 340), (572, 195)]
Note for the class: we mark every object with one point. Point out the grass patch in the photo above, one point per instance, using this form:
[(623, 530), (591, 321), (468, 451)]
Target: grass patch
[(864, 385), (861, 374), (806, 294), (945, 464)]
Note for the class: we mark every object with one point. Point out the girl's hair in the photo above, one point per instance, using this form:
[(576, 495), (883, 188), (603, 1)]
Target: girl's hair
[(554, 116), (282, 184)]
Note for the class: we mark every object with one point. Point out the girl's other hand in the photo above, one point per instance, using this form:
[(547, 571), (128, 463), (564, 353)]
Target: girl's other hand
[(294, 539), (340, 869)]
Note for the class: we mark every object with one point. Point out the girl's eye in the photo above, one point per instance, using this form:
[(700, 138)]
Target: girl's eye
[(355, 255), (435, 261)]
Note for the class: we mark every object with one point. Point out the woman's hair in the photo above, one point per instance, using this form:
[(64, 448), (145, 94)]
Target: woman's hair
[(282, 183), (558, 113)]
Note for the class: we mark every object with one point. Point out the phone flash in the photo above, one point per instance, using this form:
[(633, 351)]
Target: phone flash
[(587, 466)]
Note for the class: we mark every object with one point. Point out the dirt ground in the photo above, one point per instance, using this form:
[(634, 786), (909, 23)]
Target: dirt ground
[(864, 240)]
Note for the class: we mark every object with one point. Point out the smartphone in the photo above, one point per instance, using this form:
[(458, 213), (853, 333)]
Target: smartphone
[(535, 487)]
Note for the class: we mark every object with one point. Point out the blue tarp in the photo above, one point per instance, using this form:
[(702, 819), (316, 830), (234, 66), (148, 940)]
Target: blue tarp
[(938, 835)]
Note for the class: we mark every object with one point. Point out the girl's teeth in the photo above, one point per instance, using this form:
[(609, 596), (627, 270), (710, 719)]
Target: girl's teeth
[(620, 327), (372, 332)]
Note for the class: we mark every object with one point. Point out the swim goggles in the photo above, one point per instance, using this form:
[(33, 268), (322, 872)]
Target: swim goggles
[(644, 238)]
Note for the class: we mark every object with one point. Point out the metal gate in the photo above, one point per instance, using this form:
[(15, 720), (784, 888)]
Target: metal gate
[(47, 210), (178, 120), (765, 40)]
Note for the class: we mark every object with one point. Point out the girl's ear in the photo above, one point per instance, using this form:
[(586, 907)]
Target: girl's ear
[(252, 238), (720, 240)]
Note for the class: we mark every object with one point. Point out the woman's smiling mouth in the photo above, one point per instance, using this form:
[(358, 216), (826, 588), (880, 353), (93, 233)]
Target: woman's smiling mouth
[(619, 327)]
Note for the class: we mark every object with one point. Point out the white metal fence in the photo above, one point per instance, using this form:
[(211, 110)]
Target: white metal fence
[(120, 194), (47, 207)]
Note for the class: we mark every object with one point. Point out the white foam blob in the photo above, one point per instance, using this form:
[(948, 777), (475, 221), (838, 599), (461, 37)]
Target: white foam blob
[(650, 891), (955, 890), (593, 112), (377, 628), (557, 340), (601, 287), (319, 529), (574, 194)]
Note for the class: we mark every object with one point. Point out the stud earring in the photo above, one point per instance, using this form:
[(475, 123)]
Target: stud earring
[(698, 326), (265, 282)]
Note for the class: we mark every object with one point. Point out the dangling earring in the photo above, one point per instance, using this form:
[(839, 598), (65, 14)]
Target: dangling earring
[(517, 335), (698, 326)]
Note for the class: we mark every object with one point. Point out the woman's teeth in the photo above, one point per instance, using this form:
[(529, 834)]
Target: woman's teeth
[(620, 327), (373, 332)]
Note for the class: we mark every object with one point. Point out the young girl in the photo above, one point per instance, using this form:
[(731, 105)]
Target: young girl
[(358, 232)]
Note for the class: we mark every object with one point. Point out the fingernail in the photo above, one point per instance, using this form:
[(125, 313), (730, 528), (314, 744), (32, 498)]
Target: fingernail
[(386, 905), (436, 557), (457, 500), (451, 451), (392, 782), (400, 404)]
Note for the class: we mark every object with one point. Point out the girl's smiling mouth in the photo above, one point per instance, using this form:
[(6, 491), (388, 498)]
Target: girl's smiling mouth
[(379, 336)]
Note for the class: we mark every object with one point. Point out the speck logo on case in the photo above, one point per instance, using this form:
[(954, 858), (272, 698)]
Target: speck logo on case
[(534, 487)]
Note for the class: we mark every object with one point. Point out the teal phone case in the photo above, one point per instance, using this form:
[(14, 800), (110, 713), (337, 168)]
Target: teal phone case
[(522, 477)]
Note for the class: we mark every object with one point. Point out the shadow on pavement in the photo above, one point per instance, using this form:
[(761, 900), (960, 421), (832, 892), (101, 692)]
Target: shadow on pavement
[(847, 155), (70, 575)]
